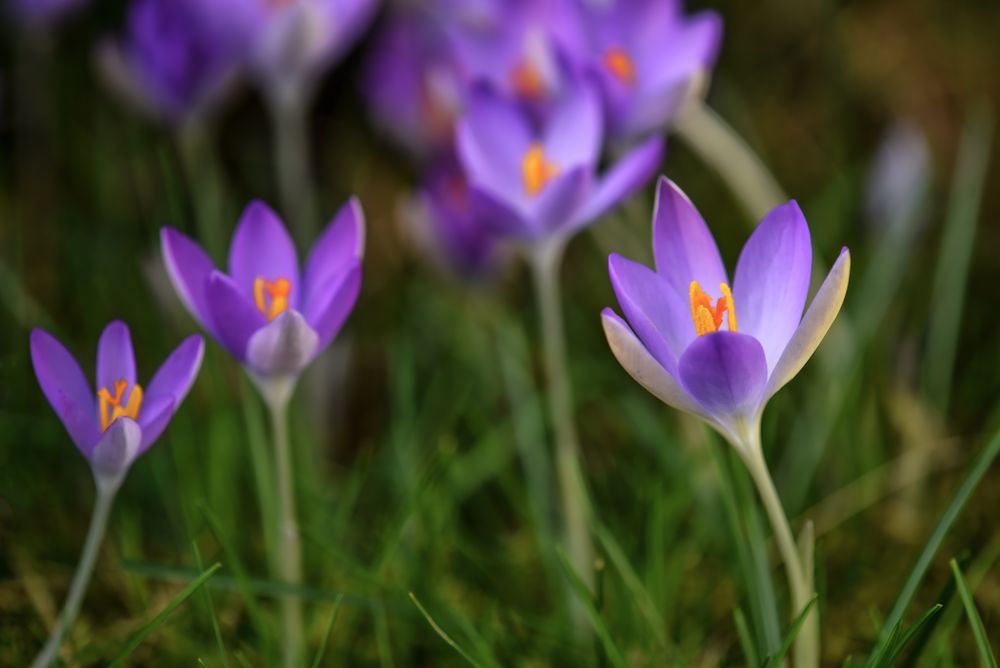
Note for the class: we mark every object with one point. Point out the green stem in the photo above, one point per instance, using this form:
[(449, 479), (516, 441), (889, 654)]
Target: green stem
[(806, 649), (95, 534), (289, 543), (546, 261), (292, 159)]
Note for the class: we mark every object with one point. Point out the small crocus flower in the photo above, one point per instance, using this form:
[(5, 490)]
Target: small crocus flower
[(705, 348), (167, 64), (267, 313), (649, 58), (123, 420), (536, 180)]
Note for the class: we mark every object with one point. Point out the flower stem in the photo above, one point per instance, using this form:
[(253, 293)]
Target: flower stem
[(546, 261), (806, 648), (289, 544), (289, 114), (95, 534)]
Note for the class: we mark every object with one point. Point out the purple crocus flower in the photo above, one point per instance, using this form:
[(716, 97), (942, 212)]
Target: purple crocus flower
[(648, 57), (167, 64), (125, 419), (265, 312), (536, 180), (721, 359)]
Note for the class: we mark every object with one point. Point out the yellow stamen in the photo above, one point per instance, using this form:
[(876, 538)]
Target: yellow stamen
[(620, 64), (536, 171), (114, 403), (527, 81), (271, 297), (706, 318)]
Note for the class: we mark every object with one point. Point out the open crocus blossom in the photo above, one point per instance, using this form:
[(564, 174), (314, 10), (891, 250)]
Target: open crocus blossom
[(272, 317), (537, 180), (125, 418), (704, 348)]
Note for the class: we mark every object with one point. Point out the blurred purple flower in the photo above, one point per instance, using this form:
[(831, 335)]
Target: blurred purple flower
[(722, 362), (124, 420), (413, 83), (648, 57), (167, 63), (45, 11), (899, 176), (536, 180), (267, 314)]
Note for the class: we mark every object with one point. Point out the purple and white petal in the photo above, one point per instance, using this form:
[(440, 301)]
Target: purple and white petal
[(683, 246), (66, 388), (189, 268), (726, 373), (115, 357), (177, 373), (340, 245), (262, 248), (235, 317), (772, 279), (627, 176), (283, 347), (117, 448)]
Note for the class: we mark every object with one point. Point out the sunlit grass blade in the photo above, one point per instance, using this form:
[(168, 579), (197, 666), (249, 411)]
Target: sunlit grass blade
[(582, 592), (786, 644), (211, 609), (157, 621), (986, 656), (441, 632), (326, 633), (979, 467)]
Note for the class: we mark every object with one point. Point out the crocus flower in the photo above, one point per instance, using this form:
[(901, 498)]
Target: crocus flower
[(649, 58), (125, 418), (708, 349), (167, 64), (535, 180), (267, 313)]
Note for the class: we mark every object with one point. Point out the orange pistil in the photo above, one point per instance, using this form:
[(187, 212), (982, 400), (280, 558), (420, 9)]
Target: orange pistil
[(536, 171), (527, 81), (271, 297), (707, 318), (620, 64), (114, 403)]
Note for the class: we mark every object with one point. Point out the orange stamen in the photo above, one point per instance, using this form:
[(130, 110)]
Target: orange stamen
[(527, 81), (620, 64), (707, 318), (114, 403), (536, 171), (271, 297)]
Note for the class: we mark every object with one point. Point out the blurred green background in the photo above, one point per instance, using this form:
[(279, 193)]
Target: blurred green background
[(425, 470)]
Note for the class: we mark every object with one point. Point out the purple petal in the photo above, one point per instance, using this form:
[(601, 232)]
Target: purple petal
[(493, 139), (235, 318), (726, 373), (115, 358), (154, 418), (684, 248), (283, 347), (627, 176), (574, 132), (342, 243), (261, 248), (772, 279), (655, 312), (177, 373), (498, 215), (694, 45), (66, 388), (555, 206), (189, 268), (340, 296)]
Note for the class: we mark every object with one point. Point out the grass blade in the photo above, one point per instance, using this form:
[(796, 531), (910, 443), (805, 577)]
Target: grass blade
[(583, 594), (158, 621), (986, 656), (746, 639), (211, 609), (326, 634), (444, 636), (786, 644)]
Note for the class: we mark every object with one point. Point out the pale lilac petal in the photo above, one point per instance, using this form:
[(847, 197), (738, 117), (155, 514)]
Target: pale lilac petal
[(655, 312), (175, 376), (555, 206), (726, 373), (189, 268), (626, 177), (636, 360), (694, 45), (341, 244), (66, 388), (574, 132), (683, 246), (341, 295), (283, 347), (772, 279), (115, 357), (117, 448), (492, 140), (262, 248), (821, 313), (154, 418), (235, 317)]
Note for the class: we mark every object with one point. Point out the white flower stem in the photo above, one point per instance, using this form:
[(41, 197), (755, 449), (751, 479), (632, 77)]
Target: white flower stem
[(546, 261), (95, 534), (290, 116), (800, 582), (289, 551)]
